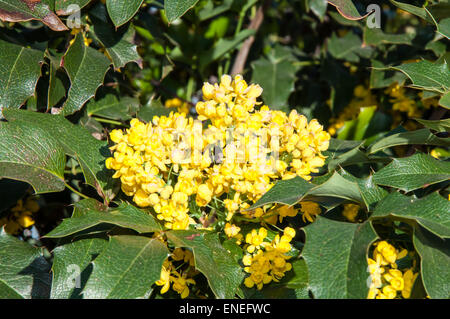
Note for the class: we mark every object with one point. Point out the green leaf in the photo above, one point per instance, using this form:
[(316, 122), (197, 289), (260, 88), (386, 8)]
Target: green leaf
[(122, 11), (69, 262), (86, 68), (24, 272), (381, 77), (117, 42), (76, 142), (423, 136), (127, 268), (443, 27), (62, 6), (292, 191), (434, 264), (20, 70), (345, 47), (217, 264), (56, 88), (125, 215), (418, 11), (427, 75), (336, 256), (276, 75), (356, 129), (375, 37), (445, 100), (319, 7), (414, 172), (111, 107), (286, 192), (431, 211), (177, 8), (438, 125), (29, 154), (299, 280), (26, 10), (221, 47), (349, 9)]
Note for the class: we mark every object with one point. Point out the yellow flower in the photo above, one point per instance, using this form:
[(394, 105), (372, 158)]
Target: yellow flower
[(180, 284), (350, 212), (165, 277), (408, 279), (310, 210)]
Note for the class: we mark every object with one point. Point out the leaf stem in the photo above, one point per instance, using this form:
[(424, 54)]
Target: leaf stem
[(75, 191)]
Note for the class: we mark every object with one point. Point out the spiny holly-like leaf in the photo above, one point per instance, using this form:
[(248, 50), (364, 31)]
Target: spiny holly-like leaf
[(291, 191), (434, 255), (118, 43), (24, 272), (125, 215), (20, 69), (111, 107), (86, 68), (423, 136), (176, 8), (127, 268), (66, 7), (427, 75), (431, 212), (349, 9), (29, 154), (336, 256), (76, 142), (69, 264), (286, 192), (25, 10), (437, 125), (410, 173), (122, 11), (276, 75), (217, 264)]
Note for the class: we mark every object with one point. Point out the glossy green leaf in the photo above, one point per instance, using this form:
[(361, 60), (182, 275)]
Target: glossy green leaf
[(413, 172), (437, 125), (275, 73), (351, 10), (427, 75), (127, 268), (24, 272), (345, 47), (76, 142), (25, 10), (319, 7), (29, 154), (119, 44), (69, 262), (111, 107), (434, 255), (423, 136), (125, 215), (336, 256), (20, 69), (217, 264), (177, 8), (431, 212), (86, 68), (356, 129), (286, 192), (445, 100), (122, 11), (374, 36), (381, 77)]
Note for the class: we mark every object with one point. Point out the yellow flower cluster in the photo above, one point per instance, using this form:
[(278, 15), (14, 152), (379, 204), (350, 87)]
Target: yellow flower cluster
[(20, 216), (401, 102), (266, 261), (182, 107), (386, 281), (179, 279), (240, 154)]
